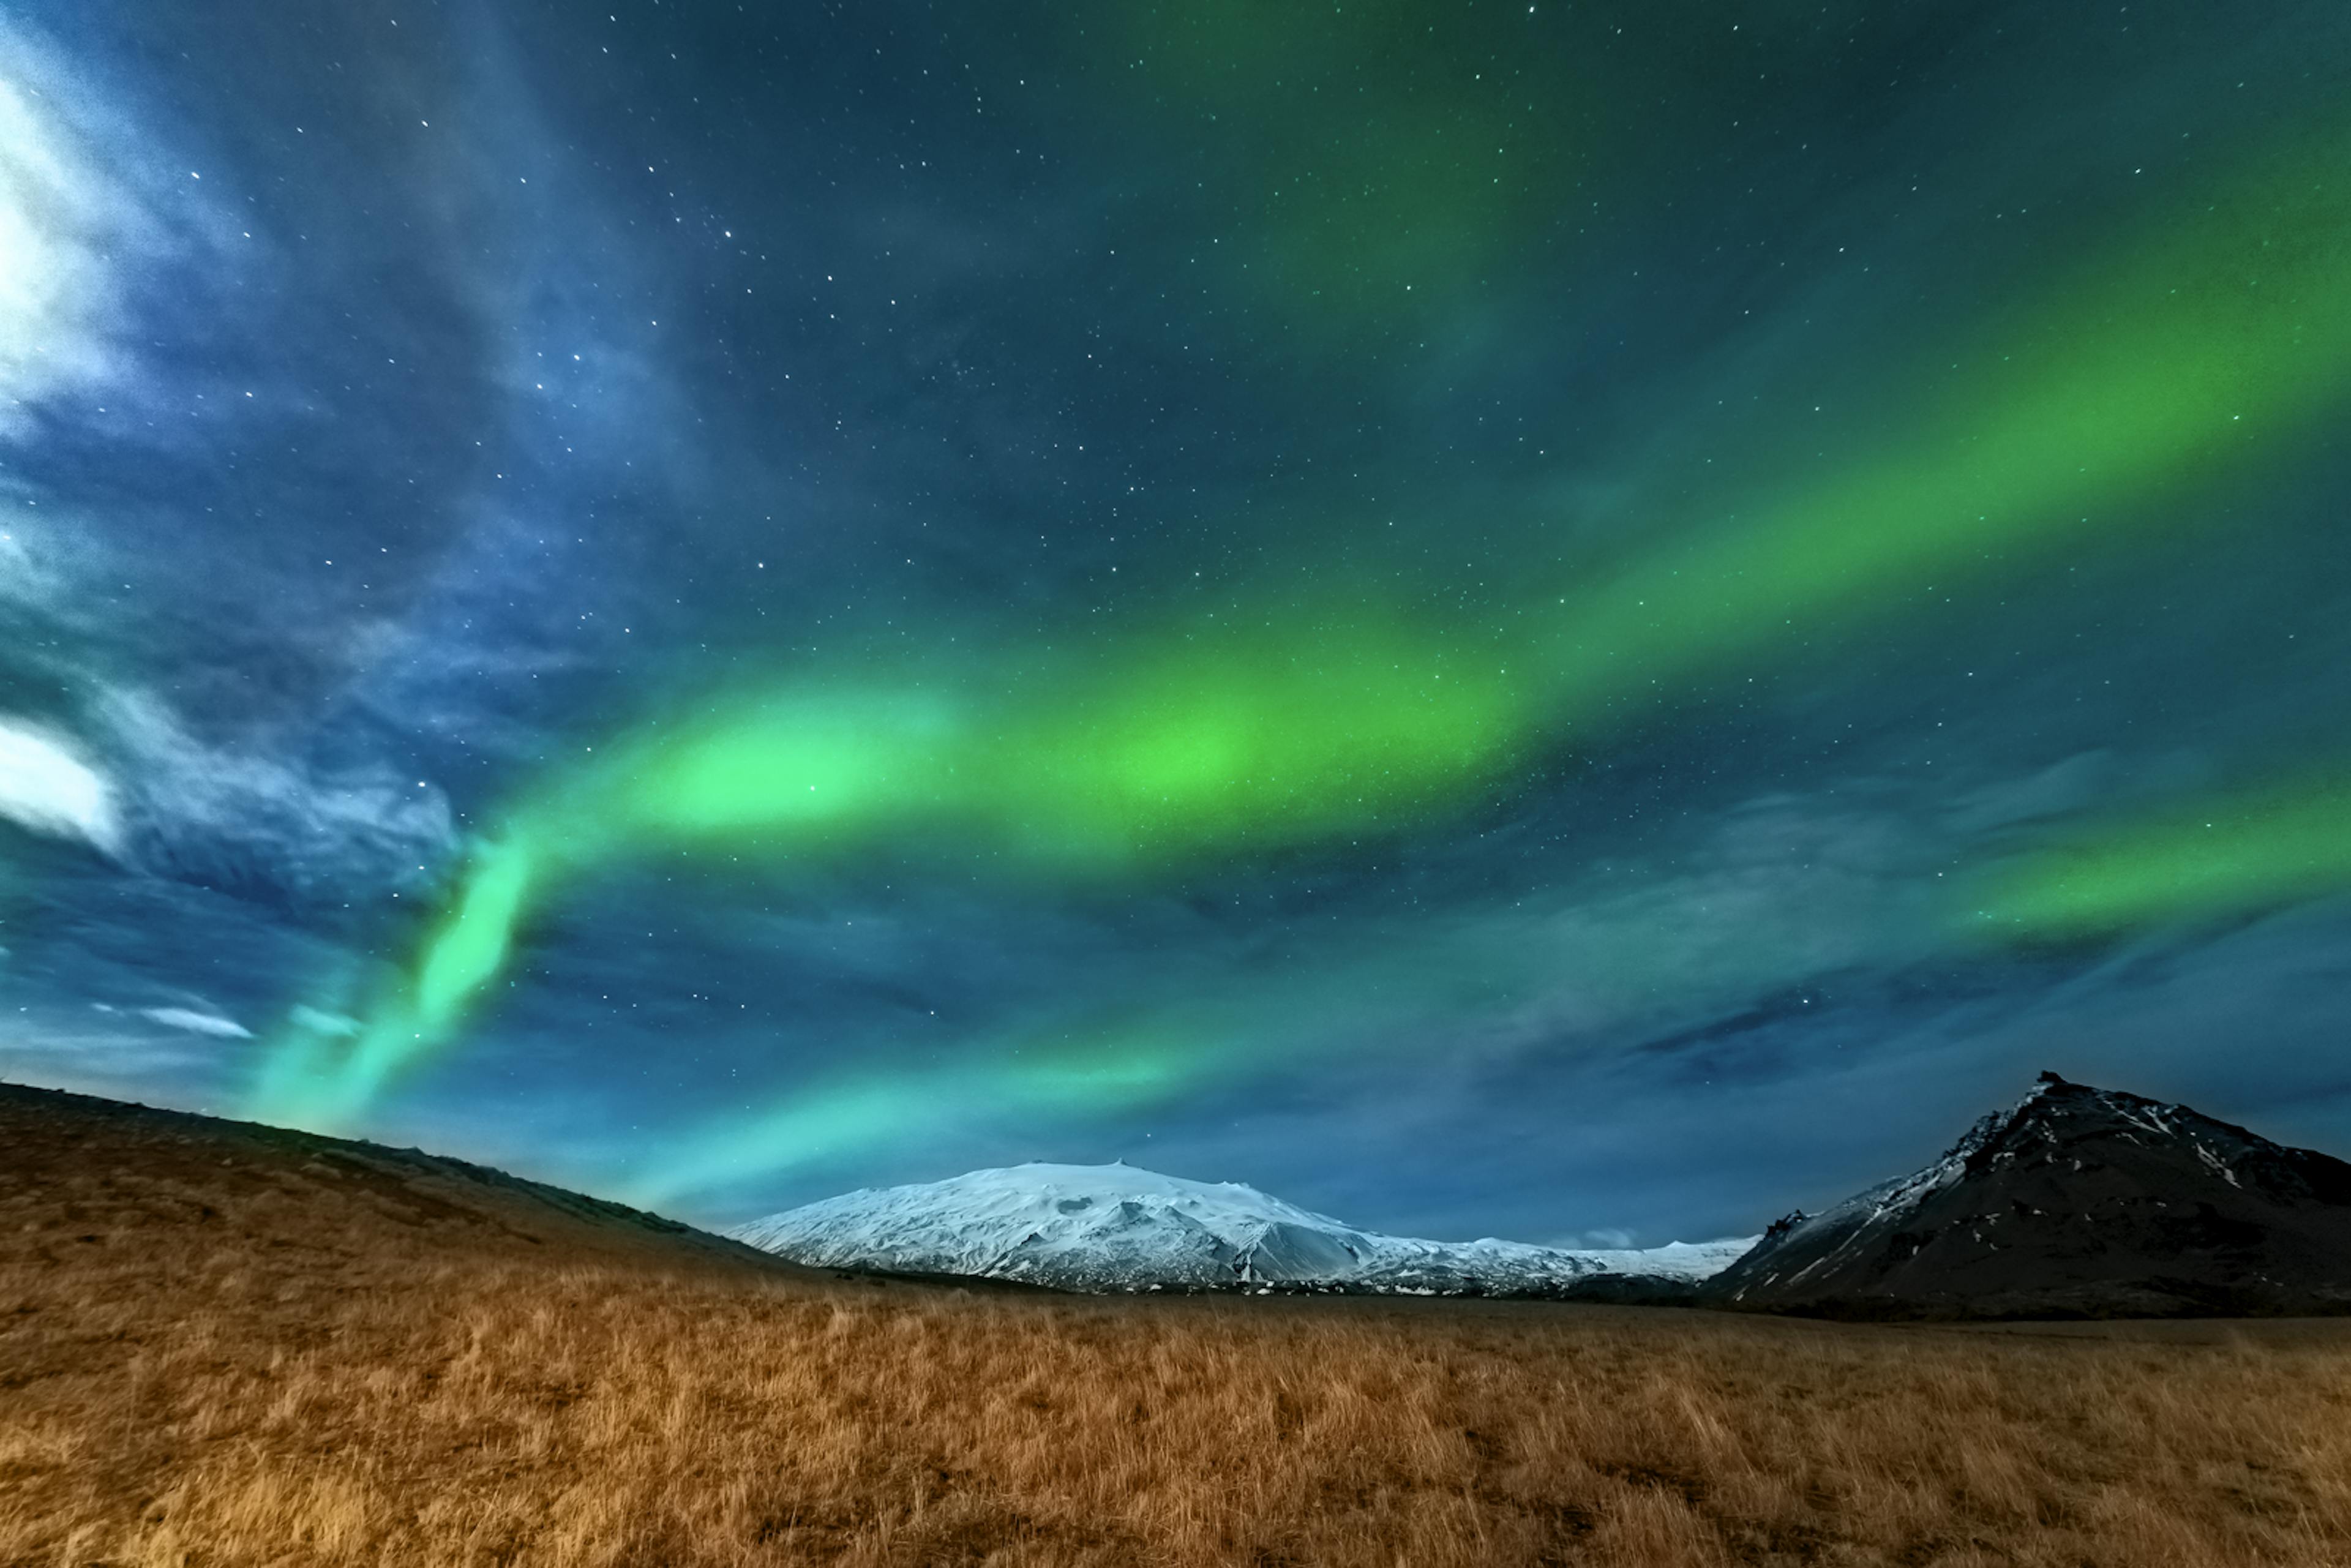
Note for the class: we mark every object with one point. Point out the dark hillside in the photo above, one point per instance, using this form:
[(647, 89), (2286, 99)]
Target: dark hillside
[(2075, 1202)]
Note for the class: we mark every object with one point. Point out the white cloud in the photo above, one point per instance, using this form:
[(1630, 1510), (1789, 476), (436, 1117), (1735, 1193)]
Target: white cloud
[(62, 217), (197, 1024), (107, 1057), (47, 788), (88, 202), (1608, 1239), (21, 577), (337, 1025)]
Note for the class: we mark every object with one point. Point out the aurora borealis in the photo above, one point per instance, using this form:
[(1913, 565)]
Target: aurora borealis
[(1506, 621)]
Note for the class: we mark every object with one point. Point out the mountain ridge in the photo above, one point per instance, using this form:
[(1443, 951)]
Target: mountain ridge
[(1121, 1227), (2073, 1201)]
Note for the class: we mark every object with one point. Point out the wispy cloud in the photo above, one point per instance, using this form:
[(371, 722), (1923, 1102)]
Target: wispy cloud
[(246, 815), (196, 1023), (46, 786), (69, 220), (115, 1058), (23, 577)]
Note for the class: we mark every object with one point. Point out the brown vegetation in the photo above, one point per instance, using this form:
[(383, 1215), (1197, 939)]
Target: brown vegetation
[(215, 1351)]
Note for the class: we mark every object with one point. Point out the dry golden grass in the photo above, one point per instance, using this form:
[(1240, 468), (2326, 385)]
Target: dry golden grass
[(389, 1389)]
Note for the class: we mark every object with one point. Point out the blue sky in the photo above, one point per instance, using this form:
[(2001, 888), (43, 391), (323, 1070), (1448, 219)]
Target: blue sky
[(404, 412)]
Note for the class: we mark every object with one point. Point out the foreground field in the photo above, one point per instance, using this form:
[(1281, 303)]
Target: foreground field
[(407, 1386)]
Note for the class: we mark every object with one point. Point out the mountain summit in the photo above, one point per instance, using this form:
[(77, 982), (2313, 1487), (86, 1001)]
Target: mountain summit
[(2073, 1202), (1120, 1228)]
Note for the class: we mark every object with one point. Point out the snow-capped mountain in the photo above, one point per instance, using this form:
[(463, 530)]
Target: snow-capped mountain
[(1118, 1227), (2074, 1200)]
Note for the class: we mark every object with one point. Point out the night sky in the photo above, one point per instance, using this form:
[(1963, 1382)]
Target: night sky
[(1572, 621)]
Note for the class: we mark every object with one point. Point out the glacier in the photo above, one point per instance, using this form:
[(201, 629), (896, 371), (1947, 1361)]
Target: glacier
[(1118, 1227)]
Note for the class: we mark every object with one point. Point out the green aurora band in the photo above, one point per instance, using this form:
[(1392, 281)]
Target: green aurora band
[(1117, 1068), (2221, 333), (2229, 854)]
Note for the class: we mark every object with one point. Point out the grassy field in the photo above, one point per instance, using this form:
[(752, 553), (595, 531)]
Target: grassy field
[(270, 1358)]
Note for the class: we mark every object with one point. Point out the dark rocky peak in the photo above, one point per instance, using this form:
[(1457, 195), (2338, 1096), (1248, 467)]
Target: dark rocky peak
[(2059, 1121), (2072, 1199)]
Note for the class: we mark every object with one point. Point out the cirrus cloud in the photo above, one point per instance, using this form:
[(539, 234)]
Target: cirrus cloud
[(47, 788), (195, 1022)]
